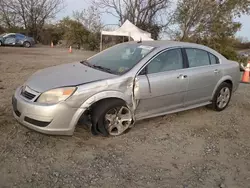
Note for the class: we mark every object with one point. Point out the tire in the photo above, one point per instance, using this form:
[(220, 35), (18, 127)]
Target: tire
[(106, 111), (26, 44), (222, 97), (1, 43)]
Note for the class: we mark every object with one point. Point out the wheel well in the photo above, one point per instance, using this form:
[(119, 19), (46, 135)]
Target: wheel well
[(106, 99), (85, 118), (229, 82), (26, 42)]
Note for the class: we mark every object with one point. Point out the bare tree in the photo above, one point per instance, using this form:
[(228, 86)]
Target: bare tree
[(202, 18), (90, 18), (189, 15), (31, 14), (148, 14), (210, 23), (8, 17)]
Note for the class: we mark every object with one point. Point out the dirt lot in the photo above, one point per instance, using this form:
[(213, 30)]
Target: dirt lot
[(197, 148)]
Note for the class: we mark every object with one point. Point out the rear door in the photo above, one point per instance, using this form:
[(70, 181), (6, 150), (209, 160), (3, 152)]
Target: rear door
[(19, 39), (162, 85), (204, 75)]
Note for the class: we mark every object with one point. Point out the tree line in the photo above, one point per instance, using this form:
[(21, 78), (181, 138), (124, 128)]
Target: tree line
[(208, 22)]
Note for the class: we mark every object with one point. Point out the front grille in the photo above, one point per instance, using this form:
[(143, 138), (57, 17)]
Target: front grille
[(27, 95), (36, 122)]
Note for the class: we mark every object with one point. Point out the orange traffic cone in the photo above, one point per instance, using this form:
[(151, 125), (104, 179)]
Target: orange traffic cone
[(70, 49), (245, 77), (52, 44)]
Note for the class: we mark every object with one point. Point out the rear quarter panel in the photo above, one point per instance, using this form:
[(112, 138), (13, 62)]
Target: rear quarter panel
[(233, 69), (230, 71), (31, 40)]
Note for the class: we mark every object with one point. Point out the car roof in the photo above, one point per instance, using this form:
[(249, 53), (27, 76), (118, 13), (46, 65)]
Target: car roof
[(10, 33), (168, 43), (14, 34)]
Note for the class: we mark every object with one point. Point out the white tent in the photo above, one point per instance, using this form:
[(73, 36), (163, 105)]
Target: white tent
[(130, 30)]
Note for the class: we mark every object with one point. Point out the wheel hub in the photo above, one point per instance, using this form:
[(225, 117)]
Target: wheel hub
[(118, 120), (223, 97)]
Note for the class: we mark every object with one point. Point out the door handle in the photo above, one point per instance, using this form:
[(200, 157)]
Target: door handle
[(181, 76), (216, 71)]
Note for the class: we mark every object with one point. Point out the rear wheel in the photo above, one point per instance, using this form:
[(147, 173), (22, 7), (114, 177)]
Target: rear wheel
[(222, 97), (26, 44), (111, 117)]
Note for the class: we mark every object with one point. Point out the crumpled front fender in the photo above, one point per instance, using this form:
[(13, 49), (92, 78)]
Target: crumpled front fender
[(97, 97)]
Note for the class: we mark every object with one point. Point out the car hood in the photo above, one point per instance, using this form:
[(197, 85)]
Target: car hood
[(72, 74)]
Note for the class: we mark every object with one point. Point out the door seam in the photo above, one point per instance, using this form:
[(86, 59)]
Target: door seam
[(149, 85)]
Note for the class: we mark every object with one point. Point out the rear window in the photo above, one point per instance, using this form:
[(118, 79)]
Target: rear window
[(20, 36), (197, 57), (213, 59)]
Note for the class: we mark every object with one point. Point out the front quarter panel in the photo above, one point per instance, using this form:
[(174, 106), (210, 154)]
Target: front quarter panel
[(95, 98), (104, 95), (121, 87), (91, 93)]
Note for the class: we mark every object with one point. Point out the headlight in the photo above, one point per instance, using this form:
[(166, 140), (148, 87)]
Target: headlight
[(56, 95)]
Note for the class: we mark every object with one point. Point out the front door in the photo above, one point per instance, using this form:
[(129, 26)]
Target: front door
[(163, 87), (10, 40), (205, 72)]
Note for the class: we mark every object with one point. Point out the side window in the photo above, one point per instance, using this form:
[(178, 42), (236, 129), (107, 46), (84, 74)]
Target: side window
[(10, 36), (213, 59), (19, 36), (166, 61), (197, 57)]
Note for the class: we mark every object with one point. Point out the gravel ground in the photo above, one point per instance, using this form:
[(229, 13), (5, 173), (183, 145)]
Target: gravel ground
[(196, 148)]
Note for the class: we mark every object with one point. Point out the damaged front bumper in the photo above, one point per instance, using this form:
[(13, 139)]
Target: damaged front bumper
[(54, 119)]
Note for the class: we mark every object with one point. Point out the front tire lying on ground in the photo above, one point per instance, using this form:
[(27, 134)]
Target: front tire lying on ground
[(111, 117), (222, 97)]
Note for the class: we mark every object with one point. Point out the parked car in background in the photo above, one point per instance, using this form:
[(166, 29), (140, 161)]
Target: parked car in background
[(244, 54), (131, 81), (16, 39)]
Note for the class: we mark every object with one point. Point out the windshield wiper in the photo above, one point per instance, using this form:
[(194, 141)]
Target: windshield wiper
[(103, 68), (85, 62)]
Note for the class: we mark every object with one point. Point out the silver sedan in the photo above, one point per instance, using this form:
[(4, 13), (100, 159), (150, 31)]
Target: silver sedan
[(131, 81)]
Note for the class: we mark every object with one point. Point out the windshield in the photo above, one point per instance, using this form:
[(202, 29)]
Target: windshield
[(119, 59)]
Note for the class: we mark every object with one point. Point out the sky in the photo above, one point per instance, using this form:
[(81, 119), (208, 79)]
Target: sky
[(73, 5)]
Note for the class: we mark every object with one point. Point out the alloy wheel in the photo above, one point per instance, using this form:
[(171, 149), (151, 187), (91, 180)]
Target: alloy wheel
[(27, 44), (118, 120), (223, 97)]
